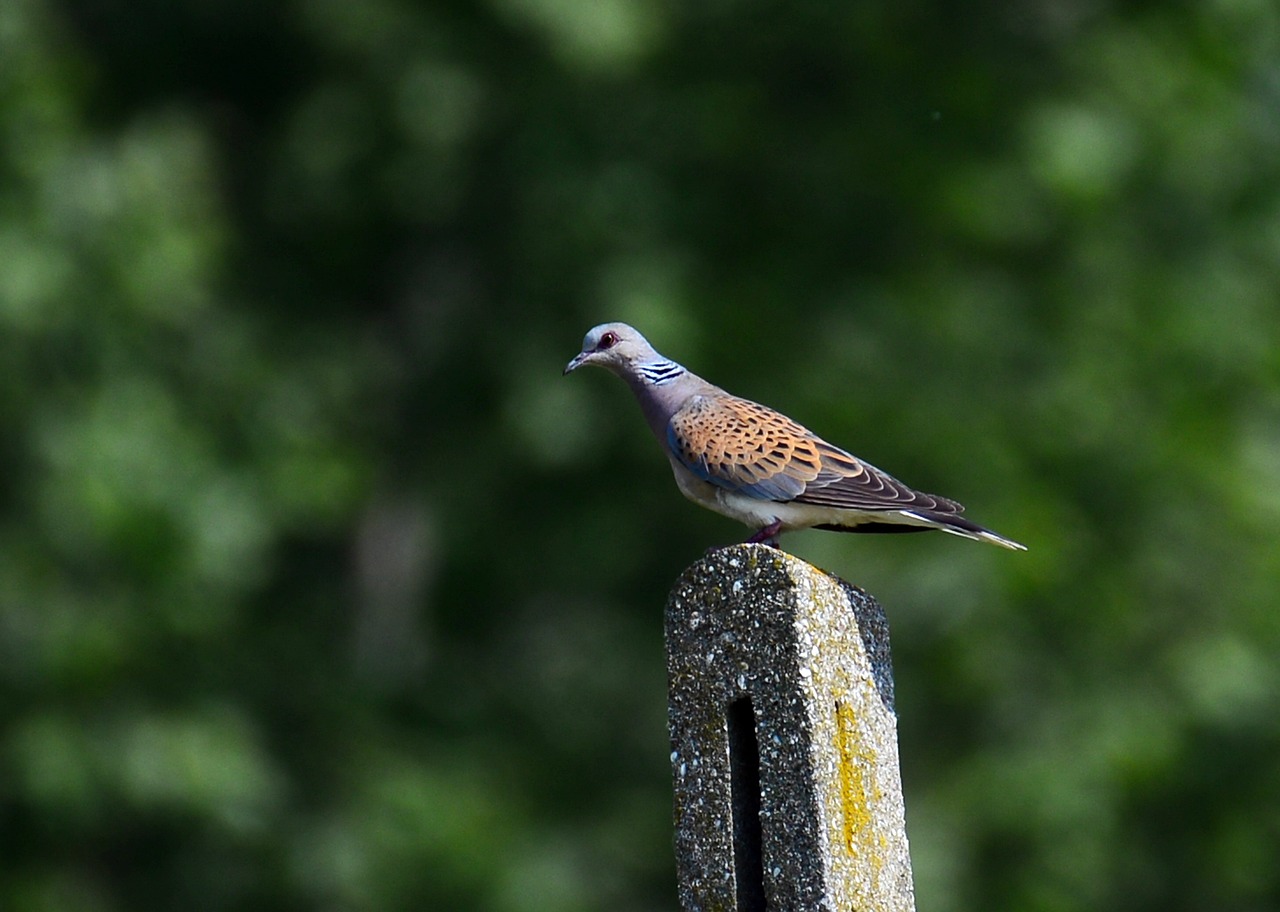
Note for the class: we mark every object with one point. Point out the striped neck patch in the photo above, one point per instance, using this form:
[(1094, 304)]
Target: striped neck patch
[(660, 372)]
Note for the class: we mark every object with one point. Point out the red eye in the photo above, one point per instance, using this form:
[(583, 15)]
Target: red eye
[(608, 340)]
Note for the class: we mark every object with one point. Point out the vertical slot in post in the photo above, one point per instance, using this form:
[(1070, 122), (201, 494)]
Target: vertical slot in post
[(744, 784)]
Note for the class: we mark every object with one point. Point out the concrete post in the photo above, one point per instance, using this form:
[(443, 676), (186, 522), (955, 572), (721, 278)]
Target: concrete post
[(784, 740)]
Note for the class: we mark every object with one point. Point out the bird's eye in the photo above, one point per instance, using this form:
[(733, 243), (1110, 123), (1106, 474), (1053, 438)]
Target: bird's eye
[(608, 340)]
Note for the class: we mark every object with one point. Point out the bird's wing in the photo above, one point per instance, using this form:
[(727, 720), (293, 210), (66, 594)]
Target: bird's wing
[(751, 449)]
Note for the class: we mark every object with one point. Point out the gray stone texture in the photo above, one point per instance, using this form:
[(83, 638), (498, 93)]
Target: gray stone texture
[(756, 634)]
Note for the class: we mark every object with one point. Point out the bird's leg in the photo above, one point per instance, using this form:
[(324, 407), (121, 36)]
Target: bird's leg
[(767, 535)]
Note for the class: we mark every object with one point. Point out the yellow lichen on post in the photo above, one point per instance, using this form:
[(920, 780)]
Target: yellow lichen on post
[(855, 797)]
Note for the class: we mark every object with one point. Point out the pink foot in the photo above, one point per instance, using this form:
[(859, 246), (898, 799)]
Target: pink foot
[(768, 535)]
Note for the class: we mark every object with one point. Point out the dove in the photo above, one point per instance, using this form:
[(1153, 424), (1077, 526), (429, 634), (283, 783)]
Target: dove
[(753, 464)]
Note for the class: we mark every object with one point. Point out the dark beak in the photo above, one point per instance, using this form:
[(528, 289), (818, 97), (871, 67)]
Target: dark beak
[(576, 363)]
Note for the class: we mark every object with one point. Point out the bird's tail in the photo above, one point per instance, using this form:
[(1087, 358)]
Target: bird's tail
[(926, 521), (958, 525)]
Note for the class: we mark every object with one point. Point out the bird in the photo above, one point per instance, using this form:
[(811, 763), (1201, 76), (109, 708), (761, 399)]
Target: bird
[(751, 463)]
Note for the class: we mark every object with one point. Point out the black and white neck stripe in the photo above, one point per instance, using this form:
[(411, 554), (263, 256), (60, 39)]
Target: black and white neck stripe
[(660, 372)]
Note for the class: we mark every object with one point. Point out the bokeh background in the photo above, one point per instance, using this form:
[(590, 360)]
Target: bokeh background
[(321, 589)]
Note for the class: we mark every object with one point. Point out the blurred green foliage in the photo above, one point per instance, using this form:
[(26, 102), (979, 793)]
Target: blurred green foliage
[(321, 589)]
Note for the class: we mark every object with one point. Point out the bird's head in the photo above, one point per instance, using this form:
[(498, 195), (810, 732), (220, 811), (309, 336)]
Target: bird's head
[(614, 346)]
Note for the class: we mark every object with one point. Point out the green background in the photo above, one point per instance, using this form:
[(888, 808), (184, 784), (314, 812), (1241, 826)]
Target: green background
[(321, 589)]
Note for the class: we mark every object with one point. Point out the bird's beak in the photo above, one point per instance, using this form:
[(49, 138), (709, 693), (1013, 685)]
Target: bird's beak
[(577, 362)]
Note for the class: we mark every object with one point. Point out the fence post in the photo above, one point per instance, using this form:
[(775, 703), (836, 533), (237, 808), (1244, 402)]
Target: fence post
[(784, 740)]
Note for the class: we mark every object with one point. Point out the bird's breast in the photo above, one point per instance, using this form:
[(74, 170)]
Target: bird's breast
[(749, 510)]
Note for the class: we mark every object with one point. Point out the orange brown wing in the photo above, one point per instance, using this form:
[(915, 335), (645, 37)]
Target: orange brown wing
[(751, 449)]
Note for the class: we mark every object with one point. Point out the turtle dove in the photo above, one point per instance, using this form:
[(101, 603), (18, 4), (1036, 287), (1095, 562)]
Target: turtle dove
[(758, 466)]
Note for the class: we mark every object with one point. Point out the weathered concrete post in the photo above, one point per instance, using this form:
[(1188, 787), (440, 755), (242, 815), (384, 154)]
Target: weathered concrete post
[(784, 740)]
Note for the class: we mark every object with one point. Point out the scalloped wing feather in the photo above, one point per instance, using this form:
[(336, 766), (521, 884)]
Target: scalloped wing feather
[(745, 447), (749, 448), (853, 484)]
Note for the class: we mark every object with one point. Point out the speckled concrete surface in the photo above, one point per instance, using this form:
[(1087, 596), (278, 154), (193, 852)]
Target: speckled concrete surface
[(811, 653)]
